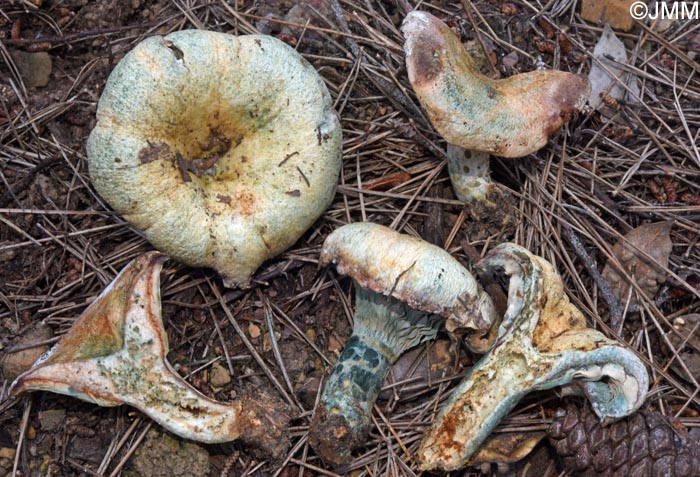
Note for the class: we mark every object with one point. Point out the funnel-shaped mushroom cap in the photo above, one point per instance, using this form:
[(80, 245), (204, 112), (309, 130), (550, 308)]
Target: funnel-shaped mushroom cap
[(115, 354), (411, 270), (511, 117), (222, 150), (542, 342)]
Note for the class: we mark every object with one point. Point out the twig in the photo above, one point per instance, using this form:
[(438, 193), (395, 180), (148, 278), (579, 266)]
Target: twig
[(27, 180), (467, 7), (614, 307), (249, 345)]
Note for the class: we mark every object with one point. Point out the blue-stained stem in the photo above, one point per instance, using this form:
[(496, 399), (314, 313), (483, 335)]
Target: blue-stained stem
[(354, 385), (384, 328)]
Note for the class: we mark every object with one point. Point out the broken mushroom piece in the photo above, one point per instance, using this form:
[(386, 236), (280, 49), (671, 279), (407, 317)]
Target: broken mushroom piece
[(221, 150), (405, 288), (115, 354), (543, 342), (512, 117)]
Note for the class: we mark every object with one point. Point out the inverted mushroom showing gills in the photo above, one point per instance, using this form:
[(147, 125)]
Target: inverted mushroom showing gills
[(221, 150), (115, 354), (512, 117), (405, 288), (543, 342)]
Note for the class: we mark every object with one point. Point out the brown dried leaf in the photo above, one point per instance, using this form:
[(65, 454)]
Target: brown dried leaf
[(653, 239), (253, 330), (508, 447), (614, 12), (334, 345), (417, 368), (686, 340)]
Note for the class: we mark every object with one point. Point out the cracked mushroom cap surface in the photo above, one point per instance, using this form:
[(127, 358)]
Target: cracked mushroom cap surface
[(411, 270), (512, 117), (221, 150)]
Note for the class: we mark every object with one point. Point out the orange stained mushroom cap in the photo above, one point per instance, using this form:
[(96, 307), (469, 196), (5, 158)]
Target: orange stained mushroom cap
[(512, 117)]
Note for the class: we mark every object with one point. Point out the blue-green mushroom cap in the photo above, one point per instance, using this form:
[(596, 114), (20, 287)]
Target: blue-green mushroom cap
[(221, 150)]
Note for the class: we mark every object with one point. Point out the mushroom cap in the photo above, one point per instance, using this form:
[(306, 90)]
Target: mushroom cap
[(512, 117), (254, 120), (411, 270)]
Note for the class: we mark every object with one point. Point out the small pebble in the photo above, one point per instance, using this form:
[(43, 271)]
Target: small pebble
[(35, 68), (219, 375)]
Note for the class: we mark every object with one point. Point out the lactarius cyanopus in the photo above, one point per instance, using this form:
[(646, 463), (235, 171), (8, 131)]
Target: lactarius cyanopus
[(405, 288), (221, 150), (115, 354), (543, 342), (512, 117)]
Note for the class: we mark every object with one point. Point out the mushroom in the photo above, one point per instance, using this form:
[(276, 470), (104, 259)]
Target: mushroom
[(405, 288), (221, 150), (512, 117), (543, 342), (115, 354)]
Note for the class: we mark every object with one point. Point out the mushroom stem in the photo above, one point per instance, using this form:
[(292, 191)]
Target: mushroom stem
[(384, 328), (469, 173), (115, 354), (542, 343)]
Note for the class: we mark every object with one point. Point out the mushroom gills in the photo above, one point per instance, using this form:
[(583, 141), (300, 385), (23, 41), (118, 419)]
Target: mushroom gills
[(543, 342), (512, 117)]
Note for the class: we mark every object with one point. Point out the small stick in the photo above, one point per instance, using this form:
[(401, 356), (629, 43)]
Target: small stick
[(135, 445), (249, 345), (467, 6), (27, 180), (19, 348), (275, 348), (614, 306)]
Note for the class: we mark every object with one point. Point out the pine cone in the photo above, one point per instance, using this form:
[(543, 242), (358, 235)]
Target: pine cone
[(642, 445)]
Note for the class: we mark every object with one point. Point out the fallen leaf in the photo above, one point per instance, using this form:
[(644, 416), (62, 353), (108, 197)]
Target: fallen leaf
[(334, 345), (654, 239), (685, 338), (253, 330), (614, 12), (508, 447), (387, 182), (13, 364), (417, 368), (610, 53)]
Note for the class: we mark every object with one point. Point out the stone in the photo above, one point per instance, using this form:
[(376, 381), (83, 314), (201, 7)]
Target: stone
[(14, 364), (90, 449), (35, 68), (51, 419), (219, 375)]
